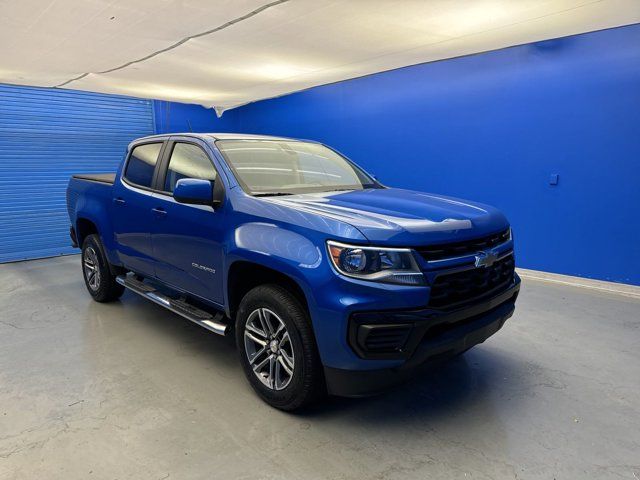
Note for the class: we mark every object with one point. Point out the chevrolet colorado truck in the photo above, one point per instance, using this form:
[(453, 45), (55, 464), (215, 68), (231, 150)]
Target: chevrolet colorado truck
[(329, 281)]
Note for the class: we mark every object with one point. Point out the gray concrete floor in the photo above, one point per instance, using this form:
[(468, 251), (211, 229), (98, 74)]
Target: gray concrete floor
[(130, 391)]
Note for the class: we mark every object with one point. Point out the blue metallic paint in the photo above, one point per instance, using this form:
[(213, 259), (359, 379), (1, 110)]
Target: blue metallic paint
[(288, 236), (400, 217), (131, 217), (194, 191), (189, 234)]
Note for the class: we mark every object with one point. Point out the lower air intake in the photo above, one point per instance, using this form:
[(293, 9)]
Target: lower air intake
[(383, 338)]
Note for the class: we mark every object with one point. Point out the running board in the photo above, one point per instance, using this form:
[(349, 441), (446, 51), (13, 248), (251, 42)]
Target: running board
[(205, 319)]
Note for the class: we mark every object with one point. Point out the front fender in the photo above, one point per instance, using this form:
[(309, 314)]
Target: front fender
[(279, 249)]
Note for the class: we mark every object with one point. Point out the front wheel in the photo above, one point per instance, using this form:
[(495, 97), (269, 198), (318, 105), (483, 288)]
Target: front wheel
[(100, 281), (277, 348)]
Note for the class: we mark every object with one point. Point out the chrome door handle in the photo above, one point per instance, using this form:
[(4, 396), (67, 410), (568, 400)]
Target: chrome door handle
[(119, 201)]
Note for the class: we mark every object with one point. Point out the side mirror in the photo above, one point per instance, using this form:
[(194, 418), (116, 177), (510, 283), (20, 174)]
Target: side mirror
[(195, 191)]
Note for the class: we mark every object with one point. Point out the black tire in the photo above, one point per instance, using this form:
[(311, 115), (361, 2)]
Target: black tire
[(306, 383), (102, 285)]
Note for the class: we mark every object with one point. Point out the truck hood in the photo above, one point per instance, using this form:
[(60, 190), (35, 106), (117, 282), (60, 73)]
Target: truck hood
[(392, 216)]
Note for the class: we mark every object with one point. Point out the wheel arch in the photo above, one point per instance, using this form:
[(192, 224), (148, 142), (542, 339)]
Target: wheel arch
[(244, 275), (84, 228)]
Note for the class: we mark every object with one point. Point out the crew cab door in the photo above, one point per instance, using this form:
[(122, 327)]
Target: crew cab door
[(187, 239), (132, 207)]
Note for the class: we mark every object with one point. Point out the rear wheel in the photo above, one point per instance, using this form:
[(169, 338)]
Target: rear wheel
[(277, 348), (100, 281)]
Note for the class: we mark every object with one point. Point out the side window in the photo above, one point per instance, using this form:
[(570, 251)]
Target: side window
[(142, 164), (188, 161)]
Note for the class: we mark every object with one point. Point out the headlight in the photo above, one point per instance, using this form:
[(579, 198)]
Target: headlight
[(376, 264)]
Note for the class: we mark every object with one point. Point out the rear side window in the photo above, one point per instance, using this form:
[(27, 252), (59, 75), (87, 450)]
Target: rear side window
[(142, 163), (188, 161)]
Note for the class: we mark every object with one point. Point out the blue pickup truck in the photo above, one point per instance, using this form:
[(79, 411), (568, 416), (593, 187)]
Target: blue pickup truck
[(329, 281)]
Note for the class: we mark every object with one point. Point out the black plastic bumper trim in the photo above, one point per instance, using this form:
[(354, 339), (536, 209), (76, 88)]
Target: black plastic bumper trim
[(425, 322), (359, 383)]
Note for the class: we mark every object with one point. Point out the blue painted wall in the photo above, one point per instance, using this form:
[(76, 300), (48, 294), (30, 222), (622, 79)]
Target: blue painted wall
[(494, 127)]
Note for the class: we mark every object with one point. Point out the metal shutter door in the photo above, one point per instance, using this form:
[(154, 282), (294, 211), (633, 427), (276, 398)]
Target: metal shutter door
[(46, 136)]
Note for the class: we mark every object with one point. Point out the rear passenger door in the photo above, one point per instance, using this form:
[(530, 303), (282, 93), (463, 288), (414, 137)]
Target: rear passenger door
[(187, 239), (132, 207)]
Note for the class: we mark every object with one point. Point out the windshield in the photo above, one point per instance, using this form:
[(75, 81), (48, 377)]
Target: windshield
[(284, 167)]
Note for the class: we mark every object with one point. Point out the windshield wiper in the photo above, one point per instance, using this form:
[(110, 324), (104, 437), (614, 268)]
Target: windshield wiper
[(271, 194)]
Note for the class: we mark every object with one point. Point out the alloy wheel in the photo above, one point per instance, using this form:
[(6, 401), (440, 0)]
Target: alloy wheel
[(269, 349), (91, 268)]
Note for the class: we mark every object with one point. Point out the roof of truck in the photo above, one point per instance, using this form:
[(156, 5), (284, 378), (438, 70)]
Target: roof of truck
[(218, 136)]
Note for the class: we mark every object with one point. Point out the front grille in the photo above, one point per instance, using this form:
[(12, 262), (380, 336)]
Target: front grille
[(467, 247), (456, 288)]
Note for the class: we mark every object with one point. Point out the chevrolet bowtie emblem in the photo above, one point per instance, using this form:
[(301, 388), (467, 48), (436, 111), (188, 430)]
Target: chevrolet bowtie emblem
[(485, 259)]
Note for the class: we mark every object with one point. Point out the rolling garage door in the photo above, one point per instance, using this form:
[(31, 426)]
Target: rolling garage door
[(46, 136)]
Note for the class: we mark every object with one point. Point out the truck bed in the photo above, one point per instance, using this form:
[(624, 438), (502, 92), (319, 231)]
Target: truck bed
[(92, 191), (108, 178)]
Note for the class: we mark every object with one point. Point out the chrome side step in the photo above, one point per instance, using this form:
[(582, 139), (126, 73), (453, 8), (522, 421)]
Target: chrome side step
[(212, 322)]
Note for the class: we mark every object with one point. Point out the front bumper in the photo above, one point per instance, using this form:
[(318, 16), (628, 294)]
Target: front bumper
[(433, 336)]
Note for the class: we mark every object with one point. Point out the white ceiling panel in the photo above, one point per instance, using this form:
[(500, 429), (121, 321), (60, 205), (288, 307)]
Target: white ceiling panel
[(226, 53)]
